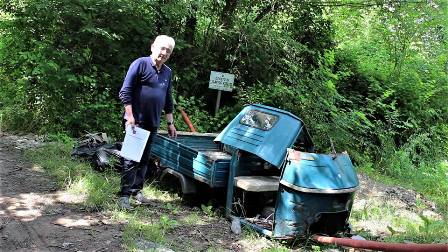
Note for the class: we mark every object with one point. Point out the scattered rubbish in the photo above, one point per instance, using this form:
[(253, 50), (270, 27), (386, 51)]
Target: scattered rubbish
[(265, 223), (78, 222), (95, 148), (143, 245), (358, 237), (236, 226), (22, 142), (66, 245)]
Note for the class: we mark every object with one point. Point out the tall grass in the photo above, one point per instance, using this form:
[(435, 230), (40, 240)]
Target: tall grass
[(75, 176), (430, 178), (427, 175), (383, 219)]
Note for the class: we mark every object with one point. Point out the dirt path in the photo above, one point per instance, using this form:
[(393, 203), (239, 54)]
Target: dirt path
[(34, 216)]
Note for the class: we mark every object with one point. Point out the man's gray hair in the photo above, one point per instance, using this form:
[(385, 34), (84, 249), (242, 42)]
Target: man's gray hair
[(164, 38)]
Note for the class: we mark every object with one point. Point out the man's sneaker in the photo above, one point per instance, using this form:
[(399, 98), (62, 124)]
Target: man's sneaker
[(142, 199), (123, 202)]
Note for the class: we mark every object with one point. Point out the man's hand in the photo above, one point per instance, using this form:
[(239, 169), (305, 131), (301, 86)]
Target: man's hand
[(172, 131), (130, 117), (131, 121)]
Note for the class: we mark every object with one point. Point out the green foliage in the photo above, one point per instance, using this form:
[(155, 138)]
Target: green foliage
[(425, 231), (99, 190), (207, 209), (316, 248), (202, 120), (63, 62), (394, 83), (401, 225), (277, 249), (429, 178), (138, 231), (397, 85), (60, 138), (166, 223), (195, 109)]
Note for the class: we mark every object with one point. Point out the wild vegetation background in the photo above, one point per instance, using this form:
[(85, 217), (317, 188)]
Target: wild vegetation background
[(369, 76)]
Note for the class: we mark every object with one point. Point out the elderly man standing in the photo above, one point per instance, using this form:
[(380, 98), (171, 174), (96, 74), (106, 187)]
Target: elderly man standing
[(145, 92)]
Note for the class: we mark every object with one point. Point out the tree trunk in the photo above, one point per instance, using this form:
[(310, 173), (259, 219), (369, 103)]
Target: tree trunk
[(190, 25), (228, 13)]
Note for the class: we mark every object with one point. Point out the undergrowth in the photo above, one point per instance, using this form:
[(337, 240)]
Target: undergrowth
[(155, 223), (377, 219), (429, 179)]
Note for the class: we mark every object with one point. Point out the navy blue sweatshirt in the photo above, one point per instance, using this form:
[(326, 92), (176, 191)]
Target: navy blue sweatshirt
[(148, 91)]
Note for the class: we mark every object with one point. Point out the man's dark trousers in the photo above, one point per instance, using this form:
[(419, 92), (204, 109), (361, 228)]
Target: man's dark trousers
[(133, 173)]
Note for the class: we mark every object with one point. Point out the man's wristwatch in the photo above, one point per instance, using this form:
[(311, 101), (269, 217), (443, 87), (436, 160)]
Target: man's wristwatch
[(169, 123)]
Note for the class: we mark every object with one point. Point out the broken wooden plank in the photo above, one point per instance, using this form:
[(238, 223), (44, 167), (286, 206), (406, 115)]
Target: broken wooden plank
[(257, 183)]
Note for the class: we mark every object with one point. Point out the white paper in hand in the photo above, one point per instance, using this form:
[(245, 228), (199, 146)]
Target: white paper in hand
[(134, 143)]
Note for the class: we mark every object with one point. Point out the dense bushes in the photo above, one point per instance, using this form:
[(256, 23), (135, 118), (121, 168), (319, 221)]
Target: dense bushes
[(63, 61)]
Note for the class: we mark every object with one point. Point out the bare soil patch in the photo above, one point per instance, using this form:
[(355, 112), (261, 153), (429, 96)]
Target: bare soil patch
[(35, 216)]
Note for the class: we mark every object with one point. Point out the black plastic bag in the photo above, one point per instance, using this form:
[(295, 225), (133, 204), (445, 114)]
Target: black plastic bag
[(100, 154)]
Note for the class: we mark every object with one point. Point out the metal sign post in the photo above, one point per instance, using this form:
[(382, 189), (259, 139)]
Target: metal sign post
[(218, 100), (220, 81)]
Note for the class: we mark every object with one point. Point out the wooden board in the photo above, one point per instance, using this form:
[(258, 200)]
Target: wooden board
[(257, 183)]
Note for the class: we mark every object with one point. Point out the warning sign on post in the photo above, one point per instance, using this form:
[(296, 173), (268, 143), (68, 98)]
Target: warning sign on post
[(221, 81)]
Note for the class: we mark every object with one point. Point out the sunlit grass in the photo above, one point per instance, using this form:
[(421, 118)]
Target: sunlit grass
[(254, 240), (380, 219), (193, 219), (152, 191), (429, 179), (277, 248), (55, 159), (424, 231), (76, 177), (99, 190), (138, 231)]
